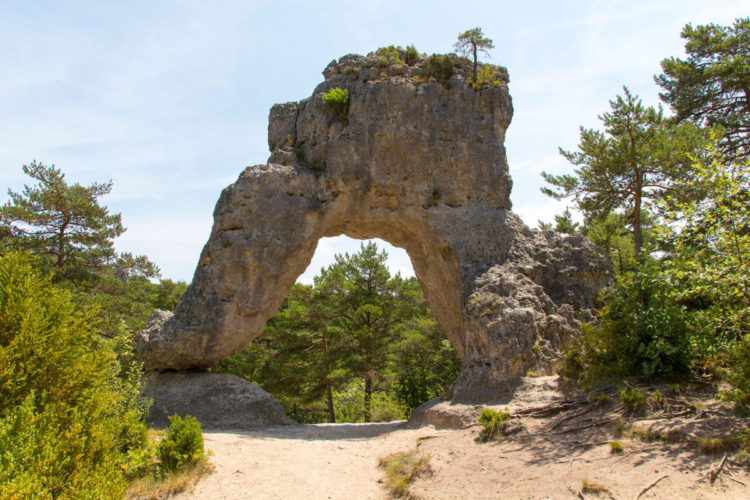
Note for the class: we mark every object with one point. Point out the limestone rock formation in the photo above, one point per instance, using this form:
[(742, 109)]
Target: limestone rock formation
[(218, 401), (416, 162)]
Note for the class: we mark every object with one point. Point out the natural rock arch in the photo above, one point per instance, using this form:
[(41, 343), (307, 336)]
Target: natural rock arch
[(419, 164)]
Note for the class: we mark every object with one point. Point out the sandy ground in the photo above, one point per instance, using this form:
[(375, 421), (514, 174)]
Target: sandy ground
[(329, 461)]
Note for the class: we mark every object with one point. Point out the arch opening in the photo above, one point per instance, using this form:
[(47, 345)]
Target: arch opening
[(355, 341)]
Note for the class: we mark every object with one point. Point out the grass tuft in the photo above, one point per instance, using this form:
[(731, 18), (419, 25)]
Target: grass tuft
[(616, 447), (401, 468), (593, 488), (493, 423)]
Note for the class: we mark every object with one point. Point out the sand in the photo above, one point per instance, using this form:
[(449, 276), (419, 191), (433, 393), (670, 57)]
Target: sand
[(340, 461)]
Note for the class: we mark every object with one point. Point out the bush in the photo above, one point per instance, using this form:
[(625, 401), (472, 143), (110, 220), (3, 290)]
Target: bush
[(412, 56), (337, 100), (487, 77), (438, 67), (183, 444), (493, 423), (67, 420), (738, 374), (641, 333), (633, 399), (390, 54)]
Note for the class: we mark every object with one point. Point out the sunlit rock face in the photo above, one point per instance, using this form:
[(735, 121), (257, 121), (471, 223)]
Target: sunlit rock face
[(420, 164)]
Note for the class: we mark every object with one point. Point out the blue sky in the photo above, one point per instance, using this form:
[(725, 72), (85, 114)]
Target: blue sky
[(170, 99)]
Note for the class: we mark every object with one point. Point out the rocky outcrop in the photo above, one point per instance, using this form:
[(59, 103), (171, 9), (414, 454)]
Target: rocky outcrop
[(218, 401), (416, 162)]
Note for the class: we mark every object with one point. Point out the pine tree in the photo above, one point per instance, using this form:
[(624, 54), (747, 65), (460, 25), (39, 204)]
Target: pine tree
[(471, 43), (630, 165), (712, 86)]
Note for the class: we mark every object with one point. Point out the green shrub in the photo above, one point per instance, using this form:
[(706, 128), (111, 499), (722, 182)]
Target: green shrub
[(615, 447), (633, 399), (438, 67), (412, 56), (436, 193), (183, 444), (493, 424), (66, 419), (337, 100), (390, 54), (487, 77), (738, 374), (641, 333)]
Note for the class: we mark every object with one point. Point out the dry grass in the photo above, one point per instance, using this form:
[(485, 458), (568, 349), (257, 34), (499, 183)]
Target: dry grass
[(401, 468), (615, 447), (592, 488), (154, 488), (736, 442)]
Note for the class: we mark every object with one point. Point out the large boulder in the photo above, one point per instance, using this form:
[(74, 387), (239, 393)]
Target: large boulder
[(420, 164), (218, 401)]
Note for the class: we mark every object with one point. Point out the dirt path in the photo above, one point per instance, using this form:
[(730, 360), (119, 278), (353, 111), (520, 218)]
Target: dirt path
[(323, 461), (329, 461)]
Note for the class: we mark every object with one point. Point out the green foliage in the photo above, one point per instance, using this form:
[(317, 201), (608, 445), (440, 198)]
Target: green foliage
[(337, 99), (391, 54), (629, 166), (358, 345), (709, 264), (385, 405), (711, 86), (487, 77), (738, 373), (412, 55), (183, 444), (436, 193), (438, 67), (640, 332), (493, 424), (615, 447), (423, 364), (709, 242), (67, 420), (564, 223), (66, 226), (633, 399), (471, 43)]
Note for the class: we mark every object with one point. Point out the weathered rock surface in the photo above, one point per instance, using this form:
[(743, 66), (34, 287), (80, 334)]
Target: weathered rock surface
[(218, 401), (421, 165), (444, 414)]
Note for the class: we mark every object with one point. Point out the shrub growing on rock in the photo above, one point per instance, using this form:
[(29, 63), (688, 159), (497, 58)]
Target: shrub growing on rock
[(337, 99), (412, 55), (438, 67)]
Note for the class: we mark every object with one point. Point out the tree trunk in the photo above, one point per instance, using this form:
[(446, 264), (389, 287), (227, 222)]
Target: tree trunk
[(368, 396), (329, 397), (61, 243), (637, 235), (475, 64)]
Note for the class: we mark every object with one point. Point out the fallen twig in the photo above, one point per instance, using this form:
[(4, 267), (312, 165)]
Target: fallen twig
[(714, 473), (644, 490), (470, 425), (580, 412)]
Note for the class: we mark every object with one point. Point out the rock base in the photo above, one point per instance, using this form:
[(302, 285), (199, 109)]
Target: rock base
[(218, 401)]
